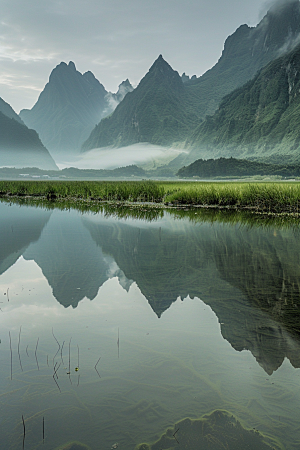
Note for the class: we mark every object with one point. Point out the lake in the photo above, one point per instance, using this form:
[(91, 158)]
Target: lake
[(170, 329)]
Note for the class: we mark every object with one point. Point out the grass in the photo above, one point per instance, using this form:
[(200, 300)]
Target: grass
[(260, 197)]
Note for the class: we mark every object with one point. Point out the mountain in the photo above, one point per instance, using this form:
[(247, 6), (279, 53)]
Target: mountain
[(245, 52), (247, 275), (67, 109), (7, 110), (260, 119), (154, 112), (19, 227), (21, 147), (113, 100), (165, 109)]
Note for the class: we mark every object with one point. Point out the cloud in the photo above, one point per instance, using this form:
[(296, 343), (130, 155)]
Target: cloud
[(274, 6)]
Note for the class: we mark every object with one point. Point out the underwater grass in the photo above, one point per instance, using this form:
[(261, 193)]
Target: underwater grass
[(261, 197)]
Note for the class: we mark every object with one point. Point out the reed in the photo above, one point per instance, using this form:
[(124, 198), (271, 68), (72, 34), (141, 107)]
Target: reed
[(261, 196), (35, 353), (24, 432), (96, 367), (19, 349), (11, 356)]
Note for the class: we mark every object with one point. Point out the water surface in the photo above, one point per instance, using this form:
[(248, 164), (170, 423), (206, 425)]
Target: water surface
[(145, 323)]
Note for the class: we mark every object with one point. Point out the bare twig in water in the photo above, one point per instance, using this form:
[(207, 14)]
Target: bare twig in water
[(47, 361), (19, 349), (24, 431), (78, 356), (43, 429), (69, 373), (7, 294), (54, 376), (57, 344), (70, 355), (55, 371), (10, 355), (27, 351), (174, 435), (118, 343), (78, 380), (61, 353), (37, 343), (96, 367)]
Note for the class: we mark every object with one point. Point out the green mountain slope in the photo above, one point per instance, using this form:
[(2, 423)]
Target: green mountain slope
[(245, 52), (21, 147), (261, 119), (156, 112), (164, 110)]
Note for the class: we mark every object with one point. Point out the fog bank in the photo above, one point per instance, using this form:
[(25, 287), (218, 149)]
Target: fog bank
[(145, 155)]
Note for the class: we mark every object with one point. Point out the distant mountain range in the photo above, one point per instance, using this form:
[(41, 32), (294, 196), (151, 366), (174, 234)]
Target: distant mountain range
[(69, 107), (166, 109), (246, 106)]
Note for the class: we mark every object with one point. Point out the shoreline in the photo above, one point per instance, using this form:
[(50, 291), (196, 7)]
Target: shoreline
[(36, 198)]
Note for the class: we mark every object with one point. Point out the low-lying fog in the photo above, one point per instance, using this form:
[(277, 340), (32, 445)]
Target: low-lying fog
[(143, 154)]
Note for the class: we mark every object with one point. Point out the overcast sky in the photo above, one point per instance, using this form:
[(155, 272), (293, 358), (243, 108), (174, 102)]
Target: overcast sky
[(115, 39)]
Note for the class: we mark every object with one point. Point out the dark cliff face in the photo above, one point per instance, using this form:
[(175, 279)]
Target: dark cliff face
[(67, 109)]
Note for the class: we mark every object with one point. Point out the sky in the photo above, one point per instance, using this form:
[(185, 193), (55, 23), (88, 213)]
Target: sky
[(114, 39)]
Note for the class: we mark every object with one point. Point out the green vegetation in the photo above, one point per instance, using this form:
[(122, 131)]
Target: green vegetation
[(259, 197), (261, 118), (219, 430), (231, 167), (132, 191)]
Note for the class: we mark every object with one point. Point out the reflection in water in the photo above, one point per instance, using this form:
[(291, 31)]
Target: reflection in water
[(249, 277), (74, 267), (218, 430)]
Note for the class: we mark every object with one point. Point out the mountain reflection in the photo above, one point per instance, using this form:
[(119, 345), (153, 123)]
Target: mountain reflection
[(73, 265), (248, 276)]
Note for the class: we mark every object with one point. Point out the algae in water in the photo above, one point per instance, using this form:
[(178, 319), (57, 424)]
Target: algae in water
[(219, 430)]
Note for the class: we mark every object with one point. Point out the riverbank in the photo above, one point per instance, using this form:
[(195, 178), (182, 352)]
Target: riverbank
[(276, 198)]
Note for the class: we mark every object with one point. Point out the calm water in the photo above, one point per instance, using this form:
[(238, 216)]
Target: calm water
[(113, 330)]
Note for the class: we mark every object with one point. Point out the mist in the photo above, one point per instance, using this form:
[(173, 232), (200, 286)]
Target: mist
[(143, 154)]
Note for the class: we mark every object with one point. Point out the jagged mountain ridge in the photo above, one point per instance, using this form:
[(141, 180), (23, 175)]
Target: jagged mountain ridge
[(154, 112), (172, 118), (69, 107)]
